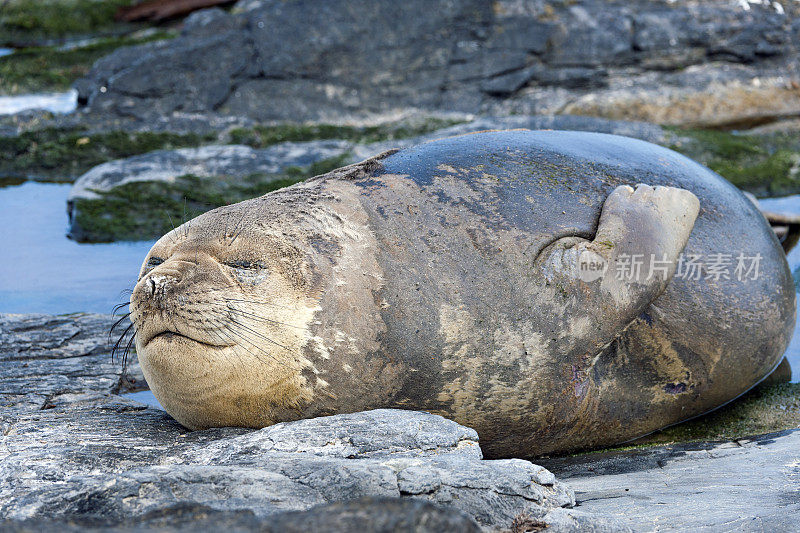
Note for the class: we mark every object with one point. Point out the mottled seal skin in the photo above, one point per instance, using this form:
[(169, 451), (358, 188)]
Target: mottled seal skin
[(444, 278)]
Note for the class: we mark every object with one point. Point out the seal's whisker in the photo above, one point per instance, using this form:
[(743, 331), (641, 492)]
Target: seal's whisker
[(206, 291), (171, 224), (244, 214), (125, 292), (228, 319), (118, 307), (118, 345), (260, 302), (127, 351), (225, 231), (263, 319), (240, 336), (260, 335), (116, 324), (225, 338)]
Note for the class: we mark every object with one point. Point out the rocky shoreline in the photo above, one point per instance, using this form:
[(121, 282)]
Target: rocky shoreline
[(77, 453), (682, 74), (140, 197)]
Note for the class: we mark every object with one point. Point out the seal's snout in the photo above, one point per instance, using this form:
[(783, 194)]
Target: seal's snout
[(159, 287)]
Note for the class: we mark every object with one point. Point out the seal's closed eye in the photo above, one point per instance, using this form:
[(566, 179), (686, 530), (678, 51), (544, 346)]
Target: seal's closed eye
[(246, 271), (243, 264), (150, 265)]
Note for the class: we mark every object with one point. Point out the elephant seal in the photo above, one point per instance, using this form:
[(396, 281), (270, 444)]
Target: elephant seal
[(449, 277)]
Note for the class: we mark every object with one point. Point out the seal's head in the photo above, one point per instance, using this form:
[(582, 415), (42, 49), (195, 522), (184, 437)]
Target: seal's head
[(221, 312)]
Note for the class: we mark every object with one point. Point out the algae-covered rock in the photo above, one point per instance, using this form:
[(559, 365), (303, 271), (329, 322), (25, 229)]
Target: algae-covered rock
[(62, 153), (765, 164), (27, 22), (55, 68), (144, 196), (228, 160)]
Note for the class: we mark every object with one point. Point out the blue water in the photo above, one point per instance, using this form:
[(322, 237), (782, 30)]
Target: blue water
[(65, 102), (145, 397), (41, 271)]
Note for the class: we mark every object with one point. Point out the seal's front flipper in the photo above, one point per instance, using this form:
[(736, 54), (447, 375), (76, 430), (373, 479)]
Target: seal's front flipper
[(598, 287)]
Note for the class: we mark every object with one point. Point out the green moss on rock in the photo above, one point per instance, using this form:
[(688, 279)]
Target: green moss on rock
[(147, 210), (62, 154), (25, 21), (49, 69), (766, 165), (262, 135)]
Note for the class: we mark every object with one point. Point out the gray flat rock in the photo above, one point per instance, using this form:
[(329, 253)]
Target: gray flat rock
[(74, 453), (747, 485), (206, 161)]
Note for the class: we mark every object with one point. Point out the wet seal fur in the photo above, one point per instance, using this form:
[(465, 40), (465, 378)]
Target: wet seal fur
[(443, 278)]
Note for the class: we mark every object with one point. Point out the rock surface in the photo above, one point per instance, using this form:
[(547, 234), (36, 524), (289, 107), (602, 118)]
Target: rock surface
[(75, 453), (711, 62), (206, 161), (365, 514), (126, 198), (744, 485)]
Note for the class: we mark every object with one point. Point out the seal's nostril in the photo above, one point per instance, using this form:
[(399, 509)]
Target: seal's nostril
[(152, 286)]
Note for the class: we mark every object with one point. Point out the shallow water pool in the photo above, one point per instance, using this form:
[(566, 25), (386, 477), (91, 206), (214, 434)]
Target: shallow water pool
[(41, 271)]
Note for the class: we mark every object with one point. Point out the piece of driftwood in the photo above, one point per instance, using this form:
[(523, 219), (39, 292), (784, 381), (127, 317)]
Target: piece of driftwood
[(158, 10), (786, 228)]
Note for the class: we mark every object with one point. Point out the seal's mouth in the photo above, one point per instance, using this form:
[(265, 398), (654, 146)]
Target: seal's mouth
[(169, 336)]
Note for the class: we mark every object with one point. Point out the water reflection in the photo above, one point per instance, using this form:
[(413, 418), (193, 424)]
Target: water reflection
[(144, 396)]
